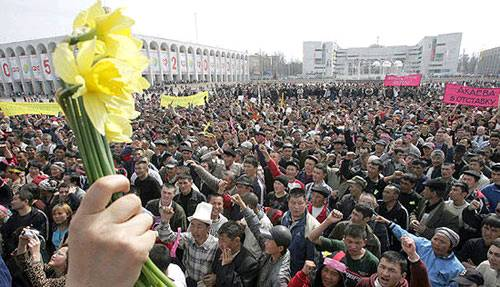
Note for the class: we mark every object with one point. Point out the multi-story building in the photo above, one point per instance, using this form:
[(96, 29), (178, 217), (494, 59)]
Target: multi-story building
[(27, 66), (489, 62), (433, 55), (318, 59)]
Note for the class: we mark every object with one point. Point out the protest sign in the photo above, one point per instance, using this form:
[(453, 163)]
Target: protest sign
[(470, 96)]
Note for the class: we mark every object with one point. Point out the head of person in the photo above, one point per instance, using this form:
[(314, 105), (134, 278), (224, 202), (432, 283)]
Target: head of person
[(57, 170), (138, 154), (22, 200), (494, 139), (309, 164), (355, 239), (46, 139), (217, 202), (418, 167), (331, 273), (459, 191), (471, 177), (250, 165), (319, 195), (361, 214), (434, 190), (319, 172), (490, 229), (59, 260), (391, 269), (251, 200), (228, 156), (447, 170), (60, 152), (437, 157), (495, 173), (391, 193), (280, 184), (494, 255), (356, 185), (368, 199), (277, 240), (443, 241), (200, 222), (374, 167), (34, 169), (160, 255), (184, 182), (287, 151), (476, 164), (380, 146), (187, 152), (231, 236), (292, 169), (244, 185), (42, 156), (141, 168), (297, 203), (61, 214), (408, 182), (167, 194)]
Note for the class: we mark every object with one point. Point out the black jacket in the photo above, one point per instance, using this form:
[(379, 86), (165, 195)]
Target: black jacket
[(241, 272)]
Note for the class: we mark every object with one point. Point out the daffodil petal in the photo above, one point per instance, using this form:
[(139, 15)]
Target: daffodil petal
[(85, 56), (65, 64), (114, 23), (118, 129), (96, 110), (88, 17)]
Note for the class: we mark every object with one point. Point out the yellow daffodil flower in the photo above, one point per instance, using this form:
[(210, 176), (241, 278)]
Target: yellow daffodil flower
[(107, 87)]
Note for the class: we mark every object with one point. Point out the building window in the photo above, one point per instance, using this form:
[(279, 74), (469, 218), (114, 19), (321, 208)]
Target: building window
[(438, 57)]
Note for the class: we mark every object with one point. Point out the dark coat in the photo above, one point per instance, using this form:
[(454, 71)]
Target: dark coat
[(178, 219), (241, 272)]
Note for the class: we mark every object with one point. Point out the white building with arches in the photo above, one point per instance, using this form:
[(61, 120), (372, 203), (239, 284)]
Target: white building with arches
[(27, 66)]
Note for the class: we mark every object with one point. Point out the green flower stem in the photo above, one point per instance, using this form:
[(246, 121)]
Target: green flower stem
[(71, 113), (87, 134), (98, 161), (157, 272)]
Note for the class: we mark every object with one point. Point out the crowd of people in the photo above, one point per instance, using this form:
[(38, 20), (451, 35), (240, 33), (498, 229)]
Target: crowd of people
[(267, 184)]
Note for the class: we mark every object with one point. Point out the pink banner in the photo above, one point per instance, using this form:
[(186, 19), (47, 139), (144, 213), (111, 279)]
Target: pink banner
[(403, 81), (470, 96)]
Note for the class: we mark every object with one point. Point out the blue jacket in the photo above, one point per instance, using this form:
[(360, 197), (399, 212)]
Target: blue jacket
[(301, 249), (441, 270)]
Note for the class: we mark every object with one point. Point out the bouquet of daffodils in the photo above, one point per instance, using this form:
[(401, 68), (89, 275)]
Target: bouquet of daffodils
[(100, 66)]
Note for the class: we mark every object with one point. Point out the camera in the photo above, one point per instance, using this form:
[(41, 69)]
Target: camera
[(31, 233)]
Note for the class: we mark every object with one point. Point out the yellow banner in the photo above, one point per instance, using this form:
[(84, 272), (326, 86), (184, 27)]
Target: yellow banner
[(197, 99), (14, 109)]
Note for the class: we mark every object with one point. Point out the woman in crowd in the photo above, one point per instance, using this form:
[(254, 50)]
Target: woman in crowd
[(29, 258)]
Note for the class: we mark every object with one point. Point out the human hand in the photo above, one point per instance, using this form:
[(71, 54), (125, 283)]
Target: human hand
[(408, 245), (334, 217), (308, 267), (190, 163), (209, 280), (222, 185), (166, 213), (239, 201), (475, 204), (23, 242), (417, 226), (34, 248), (108, 244), (382, 219), (226, 256)]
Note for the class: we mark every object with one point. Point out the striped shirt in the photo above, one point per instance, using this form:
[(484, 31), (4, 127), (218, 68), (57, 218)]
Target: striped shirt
[(197, 258)]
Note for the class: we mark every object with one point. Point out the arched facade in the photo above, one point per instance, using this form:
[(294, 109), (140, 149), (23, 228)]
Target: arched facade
[(27, 67)]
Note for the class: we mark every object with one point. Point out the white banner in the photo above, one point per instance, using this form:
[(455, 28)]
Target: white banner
[(164, 62), (183, 63)]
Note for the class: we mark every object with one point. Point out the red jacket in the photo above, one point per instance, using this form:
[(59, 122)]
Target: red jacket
[(275, 171), (299, 280), (322, 215), (419, 277)]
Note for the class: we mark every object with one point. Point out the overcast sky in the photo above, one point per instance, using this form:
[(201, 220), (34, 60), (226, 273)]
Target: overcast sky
[(272, 25)]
